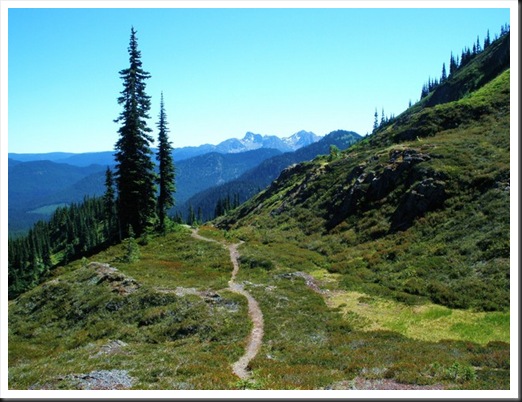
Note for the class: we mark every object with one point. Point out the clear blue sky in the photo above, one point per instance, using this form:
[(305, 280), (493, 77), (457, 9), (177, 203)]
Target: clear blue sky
[(225, 71)]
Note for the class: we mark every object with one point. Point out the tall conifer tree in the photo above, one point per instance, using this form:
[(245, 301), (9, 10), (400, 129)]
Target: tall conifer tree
[(135, 178), (375, 121), (453, 64), (166, 168), (109, 205), (444, 76)]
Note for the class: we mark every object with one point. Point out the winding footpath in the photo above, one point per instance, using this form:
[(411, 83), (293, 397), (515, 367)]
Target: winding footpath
[(240, 368)]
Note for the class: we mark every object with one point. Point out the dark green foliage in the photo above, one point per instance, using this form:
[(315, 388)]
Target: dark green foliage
[(444, 76), (226, 204), (135, 177), (166, 168), (72, 232), (111, 216)]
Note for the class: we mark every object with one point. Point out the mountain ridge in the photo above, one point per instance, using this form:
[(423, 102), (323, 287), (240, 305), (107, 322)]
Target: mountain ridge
[(257, 178), (249, 142)]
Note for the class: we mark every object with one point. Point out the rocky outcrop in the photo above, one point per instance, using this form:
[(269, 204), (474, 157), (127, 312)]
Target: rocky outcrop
[(422, 189), (426, 196), (119, 283)]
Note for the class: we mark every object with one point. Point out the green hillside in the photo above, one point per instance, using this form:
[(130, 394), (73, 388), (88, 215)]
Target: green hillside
[(417, 212), (382, 267)]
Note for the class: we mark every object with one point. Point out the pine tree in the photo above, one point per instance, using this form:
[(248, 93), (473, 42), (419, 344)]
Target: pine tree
[(135, 176), (166, 168), (487, 40), (444, 77), (424, 91), (453, 64), (375, 121), (191, 220), (109, 205)]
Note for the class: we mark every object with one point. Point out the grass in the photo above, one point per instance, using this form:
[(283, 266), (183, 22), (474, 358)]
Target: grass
[(310, 343), (428, 322), (173, 342), (187, 342)]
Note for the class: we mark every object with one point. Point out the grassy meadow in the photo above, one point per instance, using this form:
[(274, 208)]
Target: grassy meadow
[(178, 334)]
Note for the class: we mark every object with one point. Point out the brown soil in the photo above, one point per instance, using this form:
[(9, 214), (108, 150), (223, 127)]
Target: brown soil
[(240, 368)]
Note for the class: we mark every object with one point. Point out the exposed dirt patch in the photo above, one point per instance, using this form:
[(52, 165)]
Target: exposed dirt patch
[(240, 368)]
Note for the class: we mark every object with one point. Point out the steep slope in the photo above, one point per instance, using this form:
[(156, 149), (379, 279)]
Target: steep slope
[(255, 179), (419, 211)]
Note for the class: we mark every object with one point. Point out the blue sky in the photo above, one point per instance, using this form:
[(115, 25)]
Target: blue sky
[(225, 71)]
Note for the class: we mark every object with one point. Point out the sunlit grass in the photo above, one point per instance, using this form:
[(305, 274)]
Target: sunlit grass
[(428, 322)]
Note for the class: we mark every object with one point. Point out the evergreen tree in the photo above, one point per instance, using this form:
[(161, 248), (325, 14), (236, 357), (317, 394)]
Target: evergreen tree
[(453, 64), (375, 121), (191, 220), (444, 77), (383, 119), (487, 40), (109, 205), (477, 46), (135, 178), (166, 168), (424, 91)]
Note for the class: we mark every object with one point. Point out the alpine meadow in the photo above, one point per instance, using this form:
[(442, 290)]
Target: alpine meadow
[(349, 262)]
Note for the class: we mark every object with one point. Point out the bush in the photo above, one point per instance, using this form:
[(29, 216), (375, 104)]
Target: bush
[(256, 262)]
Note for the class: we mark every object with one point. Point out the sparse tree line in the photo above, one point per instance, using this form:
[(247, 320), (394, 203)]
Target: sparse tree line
[(455, 64)]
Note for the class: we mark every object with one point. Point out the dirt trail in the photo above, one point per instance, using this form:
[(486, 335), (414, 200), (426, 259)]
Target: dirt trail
[(240, 368)]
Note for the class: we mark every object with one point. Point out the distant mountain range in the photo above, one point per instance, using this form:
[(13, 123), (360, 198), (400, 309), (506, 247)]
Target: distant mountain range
[(39, 183), (249, 142), (260, 176)]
